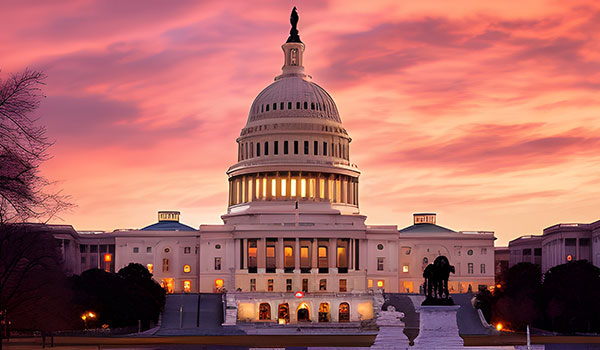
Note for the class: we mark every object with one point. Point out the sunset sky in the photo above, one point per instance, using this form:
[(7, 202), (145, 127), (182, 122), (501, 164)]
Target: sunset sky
[(485, 112)]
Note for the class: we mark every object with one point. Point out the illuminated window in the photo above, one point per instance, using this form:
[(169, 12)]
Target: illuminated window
[(150, 268), (165, 266), (470, 268), (217, 263), (264, 311), (167, 284), (343, 285), (324, 312), (288, 255), (312, 187), (253, 284), (344, 314), (380, 284), (370, 284), (252, 250), (323, 261), (270, 256), (283, 187), (342, 254), (323, 285), (264, 188), (187, 250), (273, 188), (257, 182), (187, 286), (269, 285), (304, 257), (380, 264), (322, 188), (303, 187), (219, 285), (293, 187), (405, 268), (187, 268)]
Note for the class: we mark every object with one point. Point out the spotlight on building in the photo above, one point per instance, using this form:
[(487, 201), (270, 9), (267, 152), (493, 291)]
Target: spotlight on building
[(499, 326)]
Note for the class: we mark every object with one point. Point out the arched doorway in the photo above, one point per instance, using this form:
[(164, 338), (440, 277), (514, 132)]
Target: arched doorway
[(303, 314), (324, 315), (284, 313), (264, 311), (344, 315)]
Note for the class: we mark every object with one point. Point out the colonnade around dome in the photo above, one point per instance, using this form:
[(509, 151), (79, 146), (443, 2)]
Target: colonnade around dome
[(290, 185)]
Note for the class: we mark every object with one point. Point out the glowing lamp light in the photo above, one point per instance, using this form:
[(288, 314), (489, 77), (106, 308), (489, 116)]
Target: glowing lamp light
[(380, 284), (91, 315), (281, 321), (569, 257), (298, 295), (499, 326), (107, 257)]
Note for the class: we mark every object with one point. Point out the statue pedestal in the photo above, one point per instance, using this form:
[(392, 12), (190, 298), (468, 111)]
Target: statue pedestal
[(438, 328), (391, 331)]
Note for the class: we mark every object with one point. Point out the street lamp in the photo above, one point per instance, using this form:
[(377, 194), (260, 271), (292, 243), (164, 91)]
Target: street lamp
[(88, 315)]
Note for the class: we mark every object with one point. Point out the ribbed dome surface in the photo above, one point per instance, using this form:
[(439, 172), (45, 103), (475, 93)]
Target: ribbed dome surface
[(293, 97)]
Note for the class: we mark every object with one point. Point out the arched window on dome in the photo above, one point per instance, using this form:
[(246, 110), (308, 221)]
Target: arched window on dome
[(312, 106), (251, 149), (289, 105), (267, 108), (266, 148), (324, 148), (297, 105), (276, 147), (305, 105), (258, 149), (274, 106), (316, 148), (246, 151), (285, 147), (339, 150), (262, 108), (281, 106)]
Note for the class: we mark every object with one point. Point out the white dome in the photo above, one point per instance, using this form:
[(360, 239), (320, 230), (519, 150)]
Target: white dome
[(293, 96)]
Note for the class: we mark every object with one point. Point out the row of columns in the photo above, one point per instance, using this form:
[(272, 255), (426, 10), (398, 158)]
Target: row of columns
[(280, 257)]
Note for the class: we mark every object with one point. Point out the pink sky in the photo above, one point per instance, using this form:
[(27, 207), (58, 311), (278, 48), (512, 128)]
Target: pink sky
[(484, 112)]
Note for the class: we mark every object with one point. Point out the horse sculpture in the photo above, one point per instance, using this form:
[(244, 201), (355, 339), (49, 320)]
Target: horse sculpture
[(436, 282)]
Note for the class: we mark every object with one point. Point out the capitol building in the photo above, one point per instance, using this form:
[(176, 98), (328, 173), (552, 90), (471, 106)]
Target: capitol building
[(293, 223)]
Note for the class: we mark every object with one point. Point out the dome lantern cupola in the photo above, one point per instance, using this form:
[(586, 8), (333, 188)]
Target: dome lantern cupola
[(293, 51)]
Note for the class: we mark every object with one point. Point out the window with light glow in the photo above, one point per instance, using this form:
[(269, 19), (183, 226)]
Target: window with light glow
[(150, 268), (312, 187), (283, 187), (187, 268), (288, 255), (273, 188), (304, 258), (380, 284), (187, 286), (257, 188), (405, 268), (370, 284), (380, 264), (165, 266), (322, 188), (303, 188), (293, 187), (323, 257), (264, 188)]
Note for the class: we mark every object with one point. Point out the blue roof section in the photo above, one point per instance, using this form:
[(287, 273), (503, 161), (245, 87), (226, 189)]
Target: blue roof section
[(426, 228), (168, 226)]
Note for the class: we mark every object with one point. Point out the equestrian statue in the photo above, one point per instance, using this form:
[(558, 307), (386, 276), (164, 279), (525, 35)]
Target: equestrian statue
[(436, 282)]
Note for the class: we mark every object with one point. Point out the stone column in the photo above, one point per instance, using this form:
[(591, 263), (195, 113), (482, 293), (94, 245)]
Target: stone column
[(260, 255), (315, 256), (279, 255), (391, 331), (245, 262), (438, 328), (332, 255), (297, 256)]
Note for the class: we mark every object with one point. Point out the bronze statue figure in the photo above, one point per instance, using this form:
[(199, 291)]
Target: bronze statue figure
[(294, 37), (436, 282)]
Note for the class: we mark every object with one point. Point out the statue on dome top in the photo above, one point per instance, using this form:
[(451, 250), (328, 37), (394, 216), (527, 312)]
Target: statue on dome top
[(294, 37)]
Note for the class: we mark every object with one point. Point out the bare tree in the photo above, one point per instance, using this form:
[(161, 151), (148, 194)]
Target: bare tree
[(23, 148)]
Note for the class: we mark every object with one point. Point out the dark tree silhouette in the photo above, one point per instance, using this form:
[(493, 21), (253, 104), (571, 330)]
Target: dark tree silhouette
[(23, 148), (571, 294), (119, 299)]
